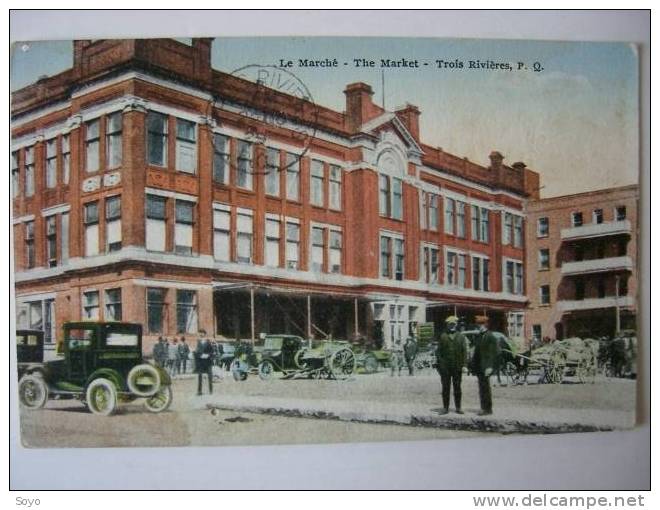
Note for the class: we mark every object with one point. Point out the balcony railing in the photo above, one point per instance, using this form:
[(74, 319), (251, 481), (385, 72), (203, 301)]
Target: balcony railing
[(596, 303), (597, 266), (596, 230)]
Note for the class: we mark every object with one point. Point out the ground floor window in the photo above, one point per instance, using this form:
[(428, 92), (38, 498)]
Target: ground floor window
[(113, 305), (155, 309), (186, 311), (91, 305)]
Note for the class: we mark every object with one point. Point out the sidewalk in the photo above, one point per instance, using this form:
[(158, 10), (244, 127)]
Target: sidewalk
[(505, 420)]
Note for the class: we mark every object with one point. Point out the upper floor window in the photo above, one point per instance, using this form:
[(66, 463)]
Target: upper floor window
[(480, 224), (391, 197), (480, 273), (513, 277), (157, 133), (335, 187), (423, 210), (620, 213), (92, 144), (292, 177), (433, 212), (450, 215), (186, 146), (334, 251), (51, 163), (292, 245), (91, 220), (598, 216), (318, 247), (15, 175), (244, 165), (272, 172), (66, 159), (392, 259), (544, 258), (544, 294), (155, 223), (244, 237), (29, 244), (460, 219), (430, 257), (542, 227), (272, 249), (113, 141), (183, 229), (220, 159), (113, 223), (576, 219), (51, 241), (316, 184), (29, 171), (221, 235)]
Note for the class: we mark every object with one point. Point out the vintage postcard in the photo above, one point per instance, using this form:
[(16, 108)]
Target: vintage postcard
[(242, 241)]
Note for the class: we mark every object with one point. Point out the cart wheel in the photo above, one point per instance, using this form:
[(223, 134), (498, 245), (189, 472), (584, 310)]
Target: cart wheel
[(160, 401), (342, 363), (101, 397), (266, 370), (33, 391)]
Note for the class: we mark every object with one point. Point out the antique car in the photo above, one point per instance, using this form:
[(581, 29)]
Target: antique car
[(29, 350), (101, 365)]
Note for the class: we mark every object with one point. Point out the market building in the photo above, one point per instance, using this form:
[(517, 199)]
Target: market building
[(149, 187), (582, 264)]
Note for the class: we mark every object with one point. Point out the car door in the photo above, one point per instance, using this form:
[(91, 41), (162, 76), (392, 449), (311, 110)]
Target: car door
[(79, 345)]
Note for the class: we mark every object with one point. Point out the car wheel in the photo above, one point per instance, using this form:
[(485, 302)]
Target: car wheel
[(33, 391), (160, 401), (266, 370), (101, 397), (144, 380)]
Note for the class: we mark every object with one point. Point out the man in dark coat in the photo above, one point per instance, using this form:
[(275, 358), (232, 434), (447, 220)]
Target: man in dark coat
[(484, 360), (204, 354), (410, 353), (451, 356), (184, 351)]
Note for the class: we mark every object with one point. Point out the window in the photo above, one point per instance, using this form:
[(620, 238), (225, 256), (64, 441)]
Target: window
[(460, 219), (576, 219), (91, 305), (385, 256), (518, 231), (544, 294), (221, 235), (29, 244), (272, 172), (113, 305), (542, 227), (272, 242), (29, 171), (579, 287), (480, 274), (513, 277), (620, 213), (516, 324), (335, 187), (423, 210), (292, 245), (399, 258), (183, 228), (51, 163), (66, 159), (157, 139), (598, 216), (292, 177), (186, 311), (15, 175), (64, 246), (450, 269), (155, 218), (220, 159), (317, 175), (335, 246), (51, 241), (462, 270), (433, 212), (480, 224), (92, 154), (155, 309), (244, 165), (244, 238), (600, 288), (544, 258), (450, 214), (507, 230), (536, 332), (113, 223), (390, 197), (317, 250), (186, 146), (113, 142), (622, 247), (430, 259), (91, 219)]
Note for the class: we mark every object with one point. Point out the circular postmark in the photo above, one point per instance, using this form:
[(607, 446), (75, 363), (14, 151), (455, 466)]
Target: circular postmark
[(277, 98)]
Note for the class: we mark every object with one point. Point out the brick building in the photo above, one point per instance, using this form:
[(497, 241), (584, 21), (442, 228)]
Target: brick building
[(582, 264), (144, 191)]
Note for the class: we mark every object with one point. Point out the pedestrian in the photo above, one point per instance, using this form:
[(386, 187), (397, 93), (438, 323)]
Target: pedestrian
[(204, 362), (184, 352), (157, 352), (410, 353), (483, 361), (173, 356), (451, 358), (165, 354), (396, 357)]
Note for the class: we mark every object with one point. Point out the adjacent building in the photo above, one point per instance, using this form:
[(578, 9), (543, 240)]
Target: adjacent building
[(582, 264), (149, 187)]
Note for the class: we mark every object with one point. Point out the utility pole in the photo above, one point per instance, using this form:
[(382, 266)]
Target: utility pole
[(616, 306), (252, 313)]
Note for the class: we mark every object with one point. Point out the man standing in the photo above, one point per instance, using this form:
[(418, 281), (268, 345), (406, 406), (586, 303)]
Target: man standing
[(410, 353), (396, 359), (484, 360), (451, 356), (158, 352), (204, 362), (184, 351), (173, 357)]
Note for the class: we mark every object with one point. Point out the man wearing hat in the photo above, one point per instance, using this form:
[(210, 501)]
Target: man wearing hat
[(451, 358), (483, 362), (204, 361)]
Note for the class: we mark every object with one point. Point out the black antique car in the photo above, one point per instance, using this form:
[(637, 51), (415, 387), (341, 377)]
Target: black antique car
[(29, 349), (102, 364)]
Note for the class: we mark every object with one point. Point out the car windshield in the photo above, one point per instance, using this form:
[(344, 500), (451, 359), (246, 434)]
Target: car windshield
[(273, 343), (27, 340)]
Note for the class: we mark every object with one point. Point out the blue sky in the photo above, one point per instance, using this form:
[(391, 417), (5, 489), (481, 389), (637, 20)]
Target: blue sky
[(576, 122)]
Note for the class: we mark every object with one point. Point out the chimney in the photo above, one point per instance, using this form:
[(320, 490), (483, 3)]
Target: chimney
[(359, 107), (519, 166), (409, 115), (496, 159)]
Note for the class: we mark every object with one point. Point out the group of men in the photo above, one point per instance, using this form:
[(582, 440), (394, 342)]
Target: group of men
[(172, 356), (400, 354), (452, 360)]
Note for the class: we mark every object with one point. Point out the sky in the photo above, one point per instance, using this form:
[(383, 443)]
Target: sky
[(575, 122)]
